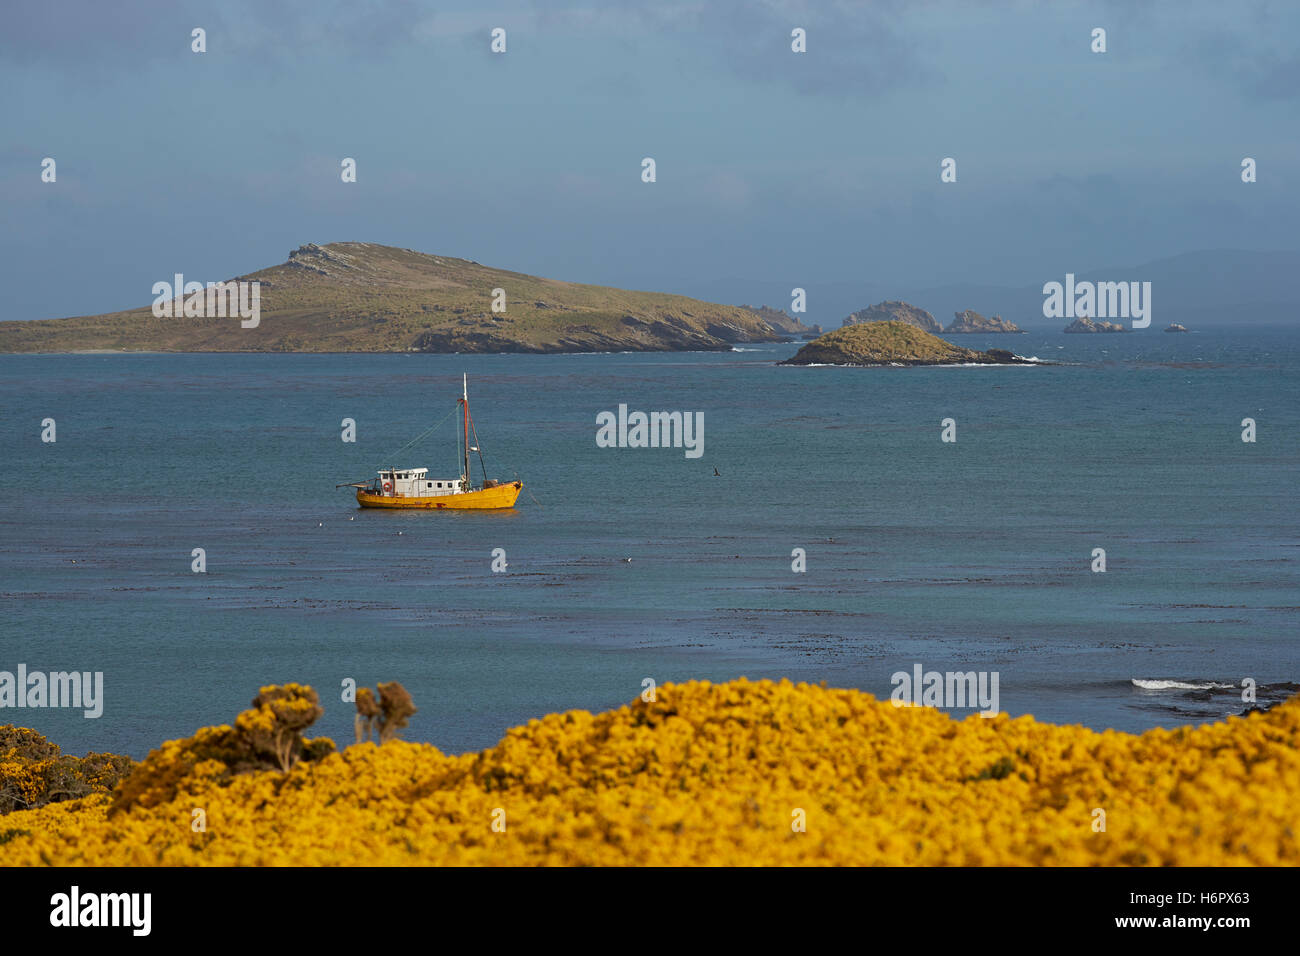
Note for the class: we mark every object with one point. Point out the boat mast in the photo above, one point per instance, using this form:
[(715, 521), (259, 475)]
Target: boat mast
[(464, 401)]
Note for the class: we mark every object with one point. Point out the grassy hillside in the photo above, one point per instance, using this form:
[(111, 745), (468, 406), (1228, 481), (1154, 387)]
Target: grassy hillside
[(362, 297)]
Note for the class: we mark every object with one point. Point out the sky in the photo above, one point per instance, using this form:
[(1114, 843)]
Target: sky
[(821, 166)]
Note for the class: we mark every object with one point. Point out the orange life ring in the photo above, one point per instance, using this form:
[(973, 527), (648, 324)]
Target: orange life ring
[(388, 486)]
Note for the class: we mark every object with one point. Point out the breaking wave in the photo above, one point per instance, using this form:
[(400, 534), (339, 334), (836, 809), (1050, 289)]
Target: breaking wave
[(1146, 684)]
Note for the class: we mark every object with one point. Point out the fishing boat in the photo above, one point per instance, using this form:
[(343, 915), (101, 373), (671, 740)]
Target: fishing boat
[(413, 488)]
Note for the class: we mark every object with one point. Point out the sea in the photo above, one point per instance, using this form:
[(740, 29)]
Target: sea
[(827, 532)]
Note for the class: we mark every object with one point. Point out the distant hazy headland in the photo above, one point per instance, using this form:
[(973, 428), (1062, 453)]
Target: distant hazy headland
[(362, 297)]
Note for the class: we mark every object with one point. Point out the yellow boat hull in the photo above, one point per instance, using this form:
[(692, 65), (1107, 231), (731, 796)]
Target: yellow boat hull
[(502, 496)]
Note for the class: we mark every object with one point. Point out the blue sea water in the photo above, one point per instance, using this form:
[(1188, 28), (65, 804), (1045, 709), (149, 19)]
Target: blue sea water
[(973, 555)]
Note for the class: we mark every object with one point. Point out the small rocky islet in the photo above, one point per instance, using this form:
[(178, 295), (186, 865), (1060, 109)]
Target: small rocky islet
[(1086, 324), (894, 343), (970, 322), (966, 322), (893, 310)]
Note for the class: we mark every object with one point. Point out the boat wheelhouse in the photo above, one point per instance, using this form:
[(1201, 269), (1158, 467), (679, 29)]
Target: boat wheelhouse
[(415, 483)]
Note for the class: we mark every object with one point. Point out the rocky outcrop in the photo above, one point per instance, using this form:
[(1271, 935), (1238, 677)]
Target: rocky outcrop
[(1175, 327), (318, 259), (970, 322), (1088, 325), (894, 311), (892, 343)]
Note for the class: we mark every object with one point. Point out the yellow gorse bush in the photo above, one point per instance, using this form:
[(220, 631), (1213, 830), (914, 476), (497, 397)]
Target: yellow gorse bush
[(35, 772), (737, 773)]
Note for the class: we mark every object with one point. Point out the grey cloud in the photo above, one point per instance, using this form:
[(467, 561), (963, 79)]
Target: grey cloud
[(93, 35), (1247, 45), (853, 48)]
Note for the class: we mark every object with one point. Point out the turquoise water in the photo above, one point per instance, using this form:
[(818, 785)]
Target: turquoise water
[(967, 556)]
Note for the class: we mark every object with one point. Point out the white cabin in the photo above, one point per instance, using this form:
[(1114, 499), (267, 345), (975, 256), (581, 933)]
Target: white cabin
[(416, 483)]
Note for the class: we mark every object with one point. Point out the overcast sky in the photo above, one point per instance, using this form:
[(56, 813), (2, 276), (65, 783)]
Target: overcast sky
[(821, 166)]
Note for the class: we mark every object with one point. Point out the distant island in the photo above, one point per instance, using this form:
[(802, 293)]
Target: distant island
[(895, 311), (893, 343), (970, 322), (1086, 324), (363, 297), (1175, 327)]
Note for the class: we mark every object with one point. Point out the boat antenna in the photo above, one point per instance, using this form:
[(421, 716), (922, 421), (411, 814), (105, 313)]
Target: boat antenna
[(478, 447), (464, 402)]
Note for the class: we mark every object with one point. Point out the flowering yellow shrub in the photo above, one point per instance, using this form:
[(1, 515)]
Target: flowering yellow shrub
[(735, 773), (34, 771), (268, 735)]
